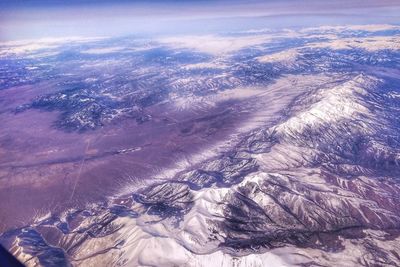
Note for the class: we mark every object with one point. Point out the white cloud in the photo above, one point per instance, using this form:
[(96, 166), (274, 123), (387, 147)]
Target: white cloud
[(30, 46), (215, 45), (289, 55), (104, 50), (368, 28), (368, 43)]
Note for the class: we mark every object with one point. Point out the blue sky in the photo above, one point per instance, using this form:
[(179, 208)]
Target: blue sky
[(29, 19)]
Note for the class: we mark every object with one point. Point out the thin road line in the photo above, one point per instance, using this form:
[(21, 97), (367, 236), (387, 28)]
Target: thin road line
[(80, 170)]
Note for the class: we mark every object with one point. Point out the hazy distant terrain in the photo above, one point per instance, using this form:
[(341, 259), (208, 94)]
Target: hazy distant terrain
[(234, 149)]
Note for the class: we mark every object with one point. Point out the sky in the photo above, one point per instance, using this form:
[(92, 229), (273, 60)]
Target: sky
[(30, 19)]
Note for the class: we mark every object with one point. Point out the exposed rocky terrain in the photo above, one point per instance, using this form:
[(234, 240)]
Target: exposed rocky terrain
[(298, 163)]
